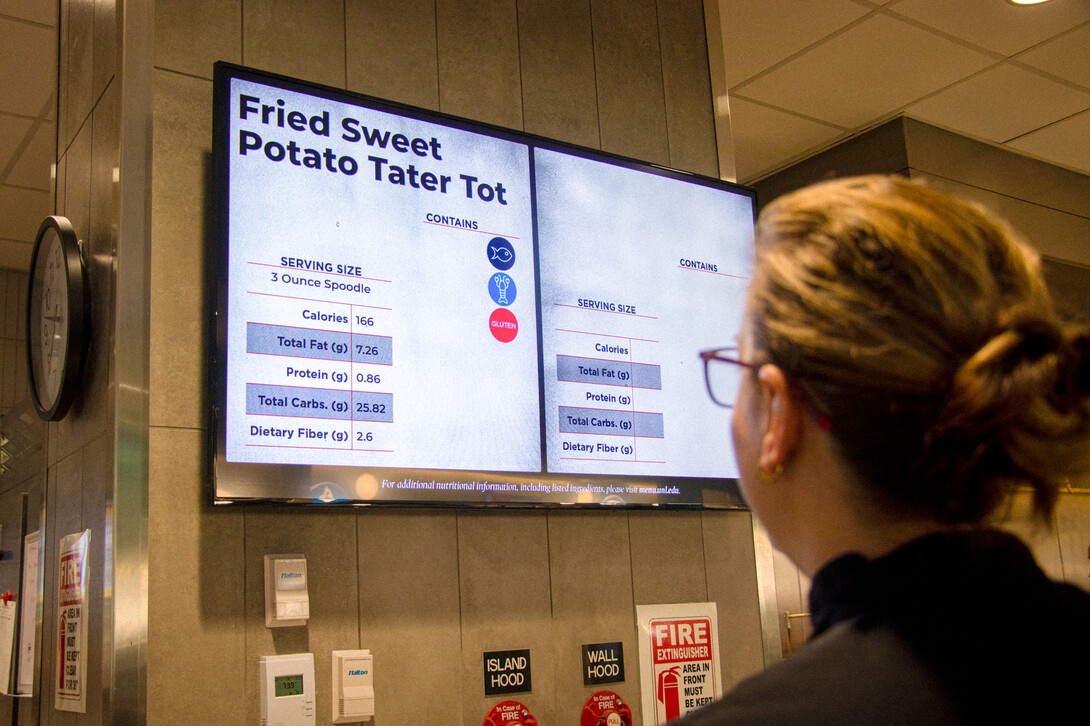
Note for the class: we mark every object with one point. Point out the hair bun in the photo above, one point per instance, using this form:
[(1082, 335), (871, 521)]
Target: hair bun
[(1015, 407), (1035, 337), (1035, 334), (998, 381), (1075, 364)]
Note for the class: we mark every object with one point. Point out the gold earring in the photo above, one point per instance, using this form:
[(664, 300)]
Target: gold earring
[(766, 476)]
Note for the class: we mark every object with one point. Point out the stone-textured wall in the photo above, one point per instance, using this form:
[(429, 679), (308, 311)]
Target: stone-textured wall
[(426, 590), (68, 471), (13, 284)]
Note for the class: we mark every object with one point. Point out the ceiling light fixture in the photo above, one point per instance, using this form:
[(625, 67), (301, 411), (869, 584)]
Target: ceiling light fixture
[(1027, 2)]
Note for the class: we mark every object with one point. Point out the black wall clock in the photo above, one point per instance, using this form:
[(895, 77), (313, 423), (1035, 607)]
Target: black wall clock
[(57, 319)]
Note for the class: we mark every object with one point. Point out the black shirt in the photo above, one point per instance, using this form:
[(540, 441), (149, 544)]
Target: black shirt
[(953, 628)]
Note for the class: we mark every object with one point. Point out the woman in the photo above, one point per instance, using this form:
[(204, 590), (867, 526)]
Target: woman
[(905, 370)]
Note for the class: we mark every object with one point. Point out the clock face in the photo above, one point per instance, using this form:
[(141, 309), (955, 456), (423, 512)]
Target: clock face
[(52, 320), (55, 318)]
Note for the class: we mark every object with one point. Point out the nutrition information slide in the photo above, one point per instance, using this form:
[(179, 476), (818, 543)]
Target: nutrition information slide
[(319, 358)]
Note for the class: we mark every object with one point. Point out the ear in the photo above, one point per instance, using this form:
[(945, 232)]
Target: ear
[(783, 428)]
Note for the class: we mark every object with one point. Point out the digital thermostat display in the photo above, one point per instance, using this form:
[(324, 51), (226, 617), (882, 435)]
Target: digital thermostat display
[(288, 685)]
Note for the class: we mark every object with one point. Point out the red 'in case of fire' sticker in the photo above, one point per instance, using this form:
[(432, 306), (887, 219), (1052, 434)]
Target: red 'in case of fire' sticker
[(510, 713), (605, 708)]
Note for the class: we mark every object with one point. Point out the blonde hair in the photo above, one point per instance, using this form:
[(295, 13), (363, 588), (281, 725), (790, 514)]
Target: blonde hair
[(919, 325)]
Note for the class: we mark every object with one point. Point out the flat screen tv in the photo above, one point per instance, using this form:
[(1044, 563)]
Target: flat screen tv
[(413, 308)]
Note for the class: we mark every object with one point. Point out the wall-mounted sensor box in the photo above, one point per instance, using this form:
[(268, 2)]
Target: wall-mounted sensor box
[(353, 686), (286, 599), (287, 690)]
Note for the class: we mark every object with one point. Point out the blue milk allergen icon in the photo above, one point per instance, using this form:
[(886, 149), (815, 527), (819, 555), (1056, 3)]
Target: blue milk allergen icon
[(502, 289)]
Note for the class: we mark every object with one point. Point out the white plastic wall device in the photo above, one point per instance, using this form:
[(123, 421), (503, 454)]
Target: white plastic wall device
[(286, 600), (353, 686), (287, 690)]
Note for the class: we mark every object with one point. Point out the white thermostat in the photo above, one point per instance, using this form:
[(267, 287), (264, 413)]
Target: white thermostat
[(287, 690), (353, 686), (286, 599)]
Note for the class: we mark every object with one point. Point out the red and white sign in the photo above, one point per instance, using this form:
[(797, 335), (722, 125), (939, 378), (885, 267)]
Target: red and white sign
[(71, 664), (679, 659), (509, 713), (605, 708)]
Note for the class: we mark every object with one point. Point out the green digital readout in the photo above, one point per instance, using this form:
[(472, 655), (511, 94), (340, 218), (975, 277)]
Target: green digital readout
[(288, 685)]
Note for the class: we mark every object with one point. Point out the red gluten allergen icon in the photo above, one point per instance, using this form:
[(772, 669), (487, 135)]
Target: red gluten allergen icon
[(509, 713), (605, 708), (503, 324)]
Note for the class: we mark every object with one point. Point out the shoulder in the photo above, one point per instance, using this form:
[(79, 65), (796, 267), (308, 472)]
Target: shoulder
[(848, 676)]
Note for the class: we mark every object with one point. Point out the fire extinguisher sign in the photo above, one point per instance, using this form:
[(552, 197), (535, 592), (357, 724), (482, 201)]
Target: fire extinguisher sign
[(679, 659)]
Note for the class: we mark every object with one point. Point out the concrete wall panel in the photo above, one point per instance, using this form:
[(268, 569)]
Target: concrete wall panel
[(556, 53), (391, 49), (478, 55)]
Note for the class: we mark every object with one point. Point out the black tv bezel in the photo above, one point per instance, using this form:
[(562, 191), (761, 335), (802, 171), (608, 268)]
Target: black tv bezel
[(720, 494)]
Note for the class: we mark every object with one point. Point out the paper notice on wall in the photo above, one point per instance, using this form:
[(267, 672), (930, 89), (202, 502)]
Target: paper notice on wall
[(28, 614), (71, 670), (7, 641), (679, 659)]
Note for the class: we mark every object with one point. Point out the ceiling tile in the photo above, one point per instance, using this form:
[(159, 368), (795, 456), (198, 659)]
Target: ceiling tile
[(15, 255), (1063, 143), (870, 70), (13, 131), (1001, 103), (21, 211), (36, 11), (32, 168), (28, 55), (997, 25), (758, 34), (765, 138), (1067, 57)]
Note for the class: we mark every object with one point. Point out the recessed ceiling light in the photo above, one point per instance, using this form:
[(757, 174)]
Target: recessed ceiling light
[(1027, 2)]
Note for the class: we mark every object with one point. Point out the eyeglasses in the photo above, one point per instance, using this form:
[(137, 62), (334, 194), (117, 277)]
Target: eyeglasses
[(723, 374)]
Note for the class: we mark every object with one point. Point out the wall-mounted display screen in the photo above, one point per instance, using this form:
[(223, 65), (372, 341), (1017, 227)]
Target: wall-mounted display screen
[(417, 309)]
